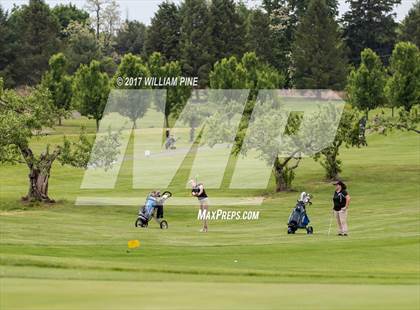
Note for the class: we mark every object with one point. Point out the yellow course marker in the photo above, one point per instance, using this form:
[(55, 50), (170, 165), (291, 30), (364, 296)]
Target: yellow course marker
[(132, 244)]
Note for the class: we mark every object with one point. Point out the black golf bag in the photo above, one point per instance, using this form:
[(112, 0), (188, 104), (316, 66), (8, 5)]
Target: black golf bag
[(299, 218)]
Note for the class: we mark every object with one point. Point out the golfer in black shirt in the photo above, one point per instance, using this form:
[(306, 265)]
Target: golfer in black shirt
[(198, 191), (341, 201)]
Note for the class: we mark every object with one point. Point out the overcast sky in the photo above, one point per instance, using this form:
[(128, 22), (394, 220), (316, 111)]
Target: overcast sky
[(143, 10)]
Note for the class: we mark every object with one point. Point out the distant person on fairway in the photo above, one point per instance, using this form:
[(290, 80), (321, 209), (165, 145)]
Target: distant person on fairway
[(197, 190), (341, 200)]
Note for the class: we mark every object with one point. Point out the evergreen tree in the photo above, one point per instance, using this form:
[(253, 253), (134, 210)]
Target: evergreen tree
[(284, 17), (196, 42), (410, 26), (6, 44), (164, 32), (35, 34), (258, 37), (318, 51), (67, 13), (228, 33), (370, 24), (131, 38), (81, 45), (365, 88)]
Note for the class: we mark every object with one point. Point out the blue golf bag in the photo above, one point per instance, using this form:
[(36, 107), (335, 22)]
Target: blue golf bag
[(299, 219)]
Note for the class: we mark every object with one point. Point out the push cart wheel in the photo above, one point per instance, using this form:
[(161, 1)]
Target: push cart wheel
[(310, 230), (164, 224), (139, 223)]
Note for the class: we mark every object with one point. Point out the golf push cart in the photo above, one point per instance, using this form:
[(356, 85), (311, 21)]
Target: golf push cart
[(153, 208), (299, 218)]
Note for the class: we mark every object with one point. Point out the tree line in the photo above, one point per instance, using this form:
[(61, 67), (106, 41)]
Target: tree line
[(197, 33)]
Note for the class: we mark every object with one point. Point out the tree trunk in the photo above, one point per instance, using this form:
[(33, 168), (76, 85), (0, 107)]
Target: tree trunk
[(166, 121), (38, 186), (281, 184), (39, 174), (97, 125), (59, 121), (192, 134)]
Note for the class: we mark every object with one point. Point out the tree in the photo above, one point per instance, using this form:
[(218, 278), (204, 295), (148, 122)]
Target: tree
[(406, 120), (81, 45), (370, 24), (259, 36), (96, 8), (365, 87), (163, 35), (90, 91), (67, 13), (176, 96), (131, 66), (131, 38), (21, 118), (409, 29), (318, 52), (6, 43), (284, 17), (58, 82), (196, 42), (403, 87), (110, 22), (35, 32), (348, 135), (228, 32)]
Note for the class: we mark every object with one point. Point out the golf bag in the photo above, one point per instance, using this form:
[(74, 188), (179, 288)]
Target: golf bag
[(299, 218), (170, 143), (153, 208)]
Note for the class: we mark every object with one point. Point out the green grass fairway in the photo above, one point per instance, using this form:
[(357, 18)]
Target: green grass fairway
[(64, 256)]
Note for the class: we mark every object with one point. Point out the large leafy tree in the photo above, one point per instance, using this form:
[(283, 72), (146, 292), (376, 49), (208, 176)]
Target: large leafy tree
[(163, 35), (22, 118), (35, 30), (370, 24), (132, 66), (318, 51), (365, 87), (228, 32), (131, 38), (176, 96), (90, 91), (410, 26), (197, 53), (403, 87), (58, 82)]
